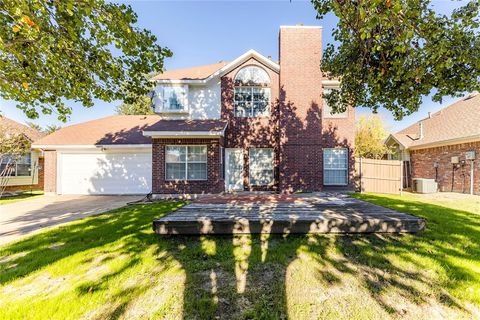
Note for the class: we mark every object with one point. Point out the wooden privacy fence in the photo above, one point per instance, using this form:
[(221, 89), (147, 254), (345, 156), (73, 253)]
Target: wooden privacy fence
[(379, 176)]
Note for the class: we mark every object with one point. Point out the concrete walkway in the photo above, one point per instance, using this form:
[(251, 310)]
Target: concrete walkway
[(29, 216)]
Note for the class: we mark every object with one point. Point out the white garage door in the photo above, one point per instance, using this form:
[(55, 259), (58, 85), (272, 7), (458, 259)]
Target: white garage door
[(105, 173)]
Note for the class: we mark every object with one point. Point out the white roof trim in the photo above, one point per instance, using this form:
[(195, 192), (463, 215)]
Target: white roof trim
[(190, 134), (89, 146), (180, 81), (301, 27), (448, 142), (391, 136), (330, 83), (232, 65)]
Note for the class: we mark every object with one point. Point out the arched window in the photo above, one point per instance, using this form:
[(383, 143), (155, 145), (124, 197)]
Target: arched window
[(252, 92)]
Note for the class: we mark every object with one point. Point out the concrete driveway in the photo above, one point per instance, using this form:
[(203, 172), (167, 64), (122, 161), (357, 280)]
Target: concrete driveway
[(29, 216)]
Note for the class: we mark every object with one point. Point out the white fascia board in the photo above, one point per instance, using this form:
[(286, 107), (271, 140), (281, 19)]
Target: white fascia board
[(247, 55), (190, 134), (330, 83), (235, 63), (301, 27), (448, 142), (90, 146), (202, 81), (391, 136)]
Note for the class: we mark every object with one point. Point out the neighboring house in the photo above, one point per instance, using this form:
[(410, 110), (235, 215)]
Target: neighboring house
[(27, 172), (442, 146), (248, 124)]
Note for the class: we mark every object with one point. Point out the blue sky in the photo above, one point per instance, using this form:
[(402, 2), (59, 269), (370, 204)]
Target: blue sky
[(201, 32)]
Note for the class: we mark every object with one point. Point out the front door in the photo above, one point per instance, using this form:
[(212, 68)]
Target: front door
[(234, 169)]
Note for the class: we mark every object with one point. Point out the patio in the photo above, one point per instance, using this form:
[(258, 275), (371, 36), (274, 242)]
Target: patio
[(254, 213)]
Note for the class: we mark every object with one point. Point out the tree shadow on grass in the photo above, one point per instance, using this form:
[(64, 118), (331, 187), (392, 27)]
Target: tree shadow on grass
[(38, 251), (241, 277), (259, 276), (406, 263), (237, 277)]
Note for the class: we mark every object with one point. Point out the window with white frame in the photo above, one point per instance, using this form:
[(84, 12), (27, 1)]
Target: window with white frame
[(335, 166), (328, 111), (251, 92), (174, 98), (16, 168), (260, 163), (186, 162), (252, 75)]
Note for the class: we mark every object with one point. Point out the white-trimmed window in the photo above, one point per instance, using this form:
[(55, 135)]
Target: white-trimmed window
[(335, 167), (260, 163), (174, 98), (252, 75), (252, 92), (186, 162), (20, 168), (252, 102), (327, 110)]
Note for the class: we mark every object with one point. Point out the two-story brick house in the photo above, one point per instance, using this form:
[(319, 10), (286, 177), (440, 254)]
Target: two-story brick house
[(249, 124)]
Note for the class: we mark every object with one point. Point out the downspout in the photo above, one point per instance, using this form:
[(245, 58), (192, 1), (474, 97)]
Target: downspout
[(471, 175)]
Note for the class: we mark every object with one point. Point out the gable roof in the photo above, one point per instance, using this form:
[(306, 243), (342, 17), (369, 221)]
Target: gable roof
[(194, 75), (456, 122), (121, 130), (13, 127)]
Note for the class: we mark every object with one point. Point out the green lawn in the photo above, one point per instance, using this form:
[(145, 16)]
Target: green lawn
[(25, 195), (113, 266)]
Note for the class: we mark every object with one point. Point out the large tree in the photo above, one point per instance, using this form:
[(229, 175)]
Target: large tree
[(370, 134), (392, 53), (47, 130), (53, 52), (141, 107)]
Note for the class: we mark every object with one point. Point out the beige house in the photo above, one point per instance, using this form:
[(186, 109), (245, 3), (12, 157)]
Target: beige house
[(28, 171)]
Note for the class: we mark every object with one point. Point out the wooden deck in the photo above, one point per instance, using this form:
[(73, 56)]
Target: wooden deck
[(343, 216)]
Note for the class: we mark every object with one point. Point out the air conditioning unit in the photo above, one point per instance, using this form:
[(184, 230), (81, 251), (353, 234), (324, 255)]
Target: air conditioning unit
[(422, 185)]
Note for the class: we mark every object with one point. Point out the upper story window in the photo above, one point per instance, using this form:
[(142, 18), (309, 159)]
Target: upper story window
[(252, 92), (327, 110), (174, 98)]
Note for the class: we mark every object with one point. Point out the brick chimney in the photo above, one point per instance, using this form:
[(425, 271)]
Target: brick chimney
[(300, 52)]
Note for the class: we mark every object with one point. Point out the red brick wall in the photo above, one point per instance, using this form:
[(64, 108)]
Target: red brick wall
[(422, 166), (50, 174), (303, 135), (214, 182), (245, 132), (41, 173)]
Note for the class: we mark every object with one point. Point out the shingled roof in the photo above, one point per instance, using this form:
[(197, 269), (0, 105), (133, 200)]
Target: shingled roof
[(122, 130), (195, 73), (12, 127), (460, 120)]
